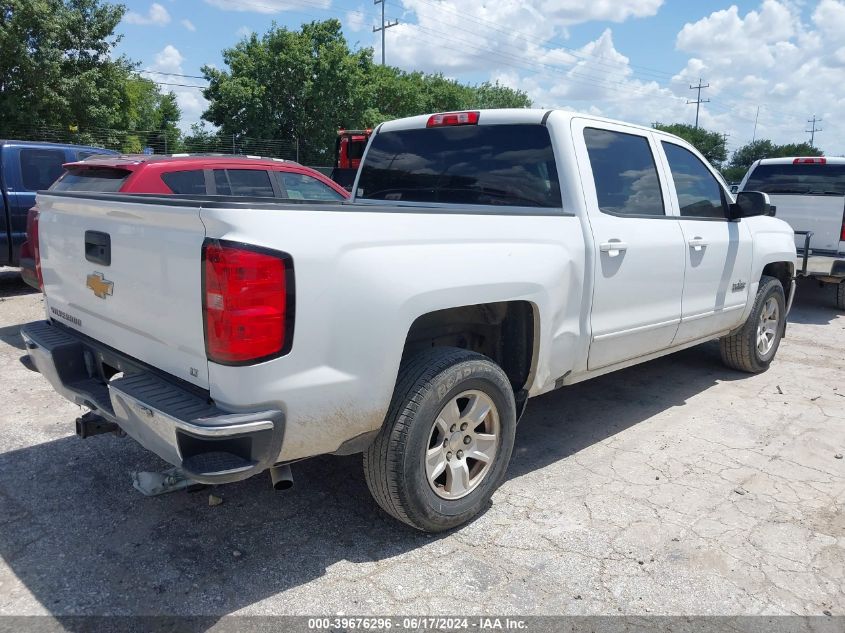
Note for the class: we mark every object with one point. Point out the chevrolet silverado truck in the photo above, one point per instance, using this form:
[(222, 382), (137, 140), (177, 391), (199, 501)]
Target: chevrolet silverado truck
[(810, 196), (486, 257)]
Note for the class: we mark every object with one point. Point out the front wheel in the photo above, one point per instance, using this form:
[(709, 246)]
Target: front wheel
[(446, 442), (753, 347)]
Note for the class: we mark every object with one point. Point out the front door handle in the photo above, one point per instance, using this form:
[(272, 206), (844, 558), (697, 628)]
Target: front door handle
[(613, 247), (697, 243)]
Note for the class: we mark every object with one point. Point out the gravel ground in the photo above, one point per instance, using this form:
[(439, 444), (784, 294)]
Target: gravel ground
[(675, 487)]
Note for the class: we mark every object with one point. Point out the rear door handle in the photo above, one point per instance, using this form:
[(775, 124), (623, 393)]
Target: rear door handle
[(613, 247), (697, 243)]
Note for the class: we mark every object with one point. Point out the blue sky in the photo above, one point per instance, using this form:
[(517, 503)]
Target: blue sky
[(628, 59)]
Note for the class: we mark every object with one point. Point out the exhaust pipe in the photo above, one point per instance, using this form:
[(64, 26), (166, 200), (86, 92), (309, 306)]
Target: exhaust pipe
[(281, 477), (92, 424)]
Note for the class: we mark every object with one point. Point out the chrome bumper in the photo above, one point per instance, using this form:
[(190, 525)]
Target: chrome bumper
[(178, 423)]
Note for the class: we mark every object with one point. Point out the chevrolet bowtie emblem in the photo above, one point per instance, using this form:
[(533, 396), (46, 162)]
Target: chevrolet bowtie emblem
[(100, 285)]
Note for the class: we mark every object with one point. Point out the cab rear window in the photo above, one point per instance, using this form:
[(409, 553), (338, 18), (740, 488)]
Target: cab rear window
[(103, 179), (494, 165), (813, 179)]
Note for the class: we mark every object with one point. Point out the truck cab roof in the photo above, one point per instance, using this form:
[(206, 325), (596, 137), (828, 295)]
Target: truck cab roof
[(51, 145)]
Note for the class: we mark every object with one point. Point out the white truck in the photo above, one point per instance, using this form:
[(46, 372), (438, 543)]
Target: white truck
[(809, 193), (486, 258)]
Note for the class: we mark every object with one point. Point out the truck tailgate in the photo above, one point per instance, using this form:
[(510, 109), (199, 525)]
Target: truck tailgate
[(127, 275), (820, 214)]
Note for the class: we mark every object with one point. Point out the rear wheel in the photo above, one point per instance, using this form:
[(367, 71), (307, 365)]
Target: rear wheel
[(446, 442), (753, 347), (840, 295)]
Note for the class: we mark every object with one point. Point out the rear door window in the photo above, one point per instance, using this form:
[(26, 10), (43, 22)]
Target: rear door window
[(699, 193), (41, 167), (624, 173), (494, 165), (303, 187), (243, 182), (808, 179), (189, 182), (103, 179)]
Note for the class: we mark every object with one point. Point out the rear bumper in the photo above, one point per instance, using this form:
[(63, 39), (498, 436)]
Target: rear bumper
[(824, 266), (177, 423)]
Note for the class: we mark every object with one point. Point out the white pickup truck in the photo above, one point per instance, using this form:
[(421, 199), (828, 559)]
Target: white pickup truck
[(809, 193), (486, 258)]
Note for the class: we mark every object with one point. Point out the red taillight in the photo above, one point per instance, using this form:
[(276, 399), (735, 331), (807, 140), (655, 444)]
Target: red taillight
[(813, 160), (247, 303), (453, 118), (32, 240), (842, 233)]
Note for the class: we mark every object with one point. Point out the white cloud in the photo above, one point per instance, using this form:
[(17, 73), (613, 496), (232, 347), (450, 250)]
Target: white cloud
[(771, 58), (268, 6), (157, 15), (767, 57), (727, 31), (569, 12), (189, 25), (190, 100), (169, 59), (244, 31), (445, 35), (356, 20)]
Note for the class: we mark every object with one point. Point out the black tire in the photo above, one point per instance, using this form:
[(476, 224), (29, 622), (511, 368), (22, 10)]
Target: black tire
[(394, 464), (739, 350), (840, 295)]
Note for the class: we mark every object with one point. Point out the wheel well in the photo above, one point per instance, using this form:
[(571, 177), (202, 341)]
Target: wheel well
[(783, 271), (503, 331)]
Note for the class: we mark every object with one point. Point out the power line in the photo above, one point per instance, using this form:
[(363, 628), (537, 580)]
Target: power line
[(699, 100), (383, 27), (812, 131)]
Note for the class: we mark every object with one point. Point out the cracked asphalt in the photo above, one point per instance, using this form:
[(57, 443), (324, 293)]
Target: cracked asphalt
[(674, 487)]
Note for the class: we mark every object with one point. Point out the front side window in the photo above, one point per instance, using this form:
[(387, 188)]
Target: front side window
[(699, 193), (41, 167), (302, 187), (625, 173), (492, 165)]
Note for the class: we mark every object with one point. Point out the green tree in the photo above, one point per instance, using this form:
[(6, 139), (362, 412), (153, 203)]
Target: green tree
[(496, 95), (289, 85), (151, 118), (745, 156), (57, 65), (712, 145), (306, 84), (202, 139)]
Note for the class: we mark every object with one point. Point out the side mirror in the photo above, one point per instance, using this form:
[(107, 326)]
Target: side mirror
[(750, 204), (734, 189)]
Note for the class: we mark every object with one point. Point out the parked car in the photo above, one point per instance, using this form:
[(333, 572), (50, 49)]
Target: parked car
[(189, 175), (27, 167), (809, 193), (487, 257)]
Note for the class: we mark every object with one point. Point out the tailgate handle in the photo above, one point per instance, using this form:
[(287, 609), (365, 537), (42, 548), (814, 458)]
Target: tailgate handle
[(98, 247)]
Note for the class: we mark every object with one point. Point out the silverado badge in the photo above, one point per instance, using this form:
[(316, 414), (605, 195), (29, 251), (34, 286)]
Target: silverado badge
[(100, 285)]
